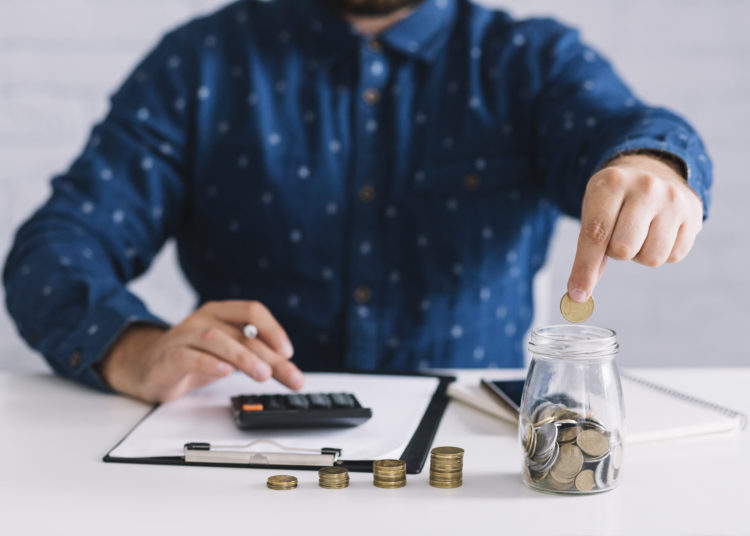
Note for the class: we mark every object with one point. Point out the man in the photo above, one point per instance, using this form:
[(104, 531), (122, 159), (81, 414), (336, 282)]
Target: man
[(375, 181)]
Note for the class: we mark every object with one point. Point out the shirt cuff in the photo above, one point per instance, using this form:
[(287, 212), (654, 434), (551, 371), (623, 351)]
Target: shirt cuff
[(99, 328)]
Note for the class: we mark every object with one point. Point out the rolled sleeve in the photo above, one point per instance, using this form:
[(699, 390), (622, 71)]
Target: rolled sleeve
[(585, 115)]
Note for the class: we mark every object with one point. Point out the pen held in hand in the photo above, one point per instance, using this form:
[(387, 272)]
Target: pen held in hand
[(250, 331)]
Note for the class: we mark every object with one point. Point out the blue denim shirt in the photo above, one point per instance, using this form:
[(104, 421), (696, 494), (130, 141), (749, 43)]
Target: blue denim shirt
[(389, 199)]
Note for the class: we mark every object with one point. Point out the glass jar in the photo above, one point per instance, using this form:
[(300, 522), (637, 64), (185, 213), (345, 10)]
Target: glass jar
[(571, 424)]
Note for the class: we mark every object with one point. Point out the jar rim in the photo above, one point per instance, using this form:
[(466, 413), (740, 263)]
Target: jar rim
[(574, 341)]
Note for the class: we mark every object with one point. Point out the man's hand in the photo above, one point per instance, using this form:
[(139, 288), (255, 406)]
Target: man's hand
[(156, 365), (639, 208)]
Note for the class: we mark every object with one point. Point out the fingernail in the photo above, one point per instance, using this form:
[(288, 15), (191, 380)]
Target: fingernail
[(578, 295), (262, 371), (287, 350), (224, 368), (296, 379)]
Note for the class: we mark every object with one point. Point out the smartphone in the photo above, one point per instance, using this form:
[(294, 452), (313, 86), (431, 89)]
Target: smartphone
[(506, 392)]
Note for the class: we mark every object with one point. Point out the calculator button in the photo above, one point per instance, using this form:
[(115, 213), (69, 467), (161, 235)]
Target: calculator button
[(342, 400), (319, 400), (252, 407), (273, 402), (297, 402)]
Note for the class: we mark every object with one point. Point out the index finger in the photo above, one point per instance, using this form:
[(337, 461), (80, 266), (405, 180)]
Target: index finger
[(241, 312), (601, 206)]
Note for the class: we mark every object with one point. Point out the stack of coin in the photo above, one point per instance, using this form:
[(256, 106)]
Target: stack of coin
[(569, 452), (446, 467), (333, 477), (282, 482), (389, 473)]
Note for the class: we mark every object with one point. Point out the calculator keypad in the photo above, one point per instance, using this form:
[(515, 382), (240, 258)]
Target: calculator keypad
[(298, 410)]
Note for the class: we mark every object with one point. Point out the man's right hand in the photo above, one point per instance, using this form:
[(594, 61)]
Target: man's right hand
[(158, 364)]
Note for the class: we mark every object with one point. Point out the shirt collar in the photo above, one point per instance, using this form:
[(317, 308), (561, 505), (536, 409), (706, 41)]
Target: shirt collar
[(421, 35)]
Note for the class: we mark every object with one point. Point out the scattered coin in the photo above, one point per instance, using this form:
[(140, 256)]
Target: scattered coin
[(574, 311), (282, 482)]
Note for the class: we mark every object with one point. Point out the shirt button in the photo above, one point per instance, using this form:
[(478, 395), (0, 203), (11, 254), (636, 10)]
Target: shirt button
[(75, 359), (362, 294), (375, 45), (371, 96), (472, 182), (366, 193)]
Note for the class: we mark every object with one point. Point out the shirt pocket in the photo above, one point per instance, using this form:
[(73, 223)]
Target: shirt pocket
[(471, 179), (466, 212)]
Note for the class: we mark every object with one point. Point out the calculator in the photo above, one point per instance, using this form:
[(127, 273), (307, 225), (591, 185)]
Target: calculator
[(298, 410)]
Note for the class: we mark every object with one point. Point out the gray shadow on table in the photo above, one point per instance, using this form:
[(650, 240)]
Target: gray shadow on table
[(495, 486)]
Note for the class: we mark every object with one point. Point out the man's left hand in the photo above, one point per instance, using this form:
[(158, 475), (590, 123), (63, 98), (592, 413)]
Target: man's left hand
[(637, 207)]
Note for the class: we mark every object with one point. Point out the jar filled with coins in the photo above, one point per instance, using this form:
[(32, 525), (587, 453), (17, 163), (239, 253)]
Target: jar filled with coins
[(571, 424)]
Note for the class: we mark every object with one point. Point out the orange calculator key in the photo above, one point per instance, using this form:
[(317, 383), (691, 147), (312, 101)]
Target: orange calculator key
[(252, 407)]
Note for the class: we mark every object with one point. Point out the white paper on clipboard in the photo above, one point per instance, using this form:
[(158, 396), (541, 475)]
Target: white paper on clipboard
[(204, 415)]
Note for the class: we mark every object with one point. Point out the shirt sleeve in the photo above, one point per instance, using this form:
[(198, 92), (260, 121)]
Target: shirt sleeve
[(584, 116), (67, 272)]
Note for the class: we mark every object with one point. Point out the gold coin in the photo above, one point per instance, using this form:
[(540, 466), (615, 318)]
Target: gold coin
[(392, 465), (282, 482), (567, 430), (447, 452), (593, 443), (333, 477), (574, 311), (389, 485), (585, 480), (558, 485), (446, 485), (333, 472), (568, 464)]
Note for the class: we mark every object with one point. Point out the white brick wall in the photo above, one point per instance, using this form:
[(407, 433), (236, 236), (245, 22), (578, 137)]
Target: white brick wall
[(59, 60)]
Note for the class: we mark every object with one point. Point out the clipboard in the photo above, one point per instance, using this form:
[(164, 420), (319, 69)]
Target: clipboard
[(194, 452)]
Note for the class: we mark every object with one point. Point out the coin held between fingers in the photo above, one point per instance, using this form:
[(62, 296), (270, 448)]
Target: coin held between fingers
[(574, 311)]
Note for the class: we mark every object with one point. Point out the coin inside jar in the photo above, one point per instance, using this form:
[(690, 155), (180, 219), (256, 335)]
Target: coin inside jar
[(593, 442), (574, 311), (585, 480), (569, 463)]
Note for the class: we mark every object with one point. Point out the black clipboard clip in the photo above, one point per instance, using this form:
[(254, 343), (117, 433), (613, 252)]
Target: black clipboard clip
[(246, 454)]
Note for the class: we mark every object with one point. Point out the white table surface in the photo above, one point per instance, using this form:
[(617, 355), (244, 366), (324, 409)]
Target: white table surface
[(54, 433)]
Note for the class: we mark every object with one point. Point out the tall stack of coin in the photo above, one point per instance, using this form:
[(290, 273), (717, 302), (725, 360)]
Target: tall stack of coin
[(282, 482), (389, 473), (446, 467), (569, 452), (333, 477)]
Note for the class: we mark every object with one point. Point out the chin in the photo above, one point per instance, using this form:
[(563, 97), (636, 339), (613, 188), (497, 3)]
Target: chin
[(369, 8)]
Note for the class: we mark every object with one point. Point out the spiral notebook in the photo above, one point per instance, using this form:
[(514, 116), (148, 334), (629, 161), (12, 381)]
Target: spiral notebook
[(653, 411)]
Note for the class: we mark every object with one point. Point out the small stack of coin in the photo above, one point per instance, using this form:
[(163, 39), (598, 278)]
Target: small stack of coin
[(389, 473), (333, 477), (282, 482), (446, 467), (570, 452)]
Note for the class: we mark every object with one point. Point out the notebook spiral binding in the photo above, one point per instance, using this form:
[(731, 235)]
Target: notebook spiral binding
[(690, 398)]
